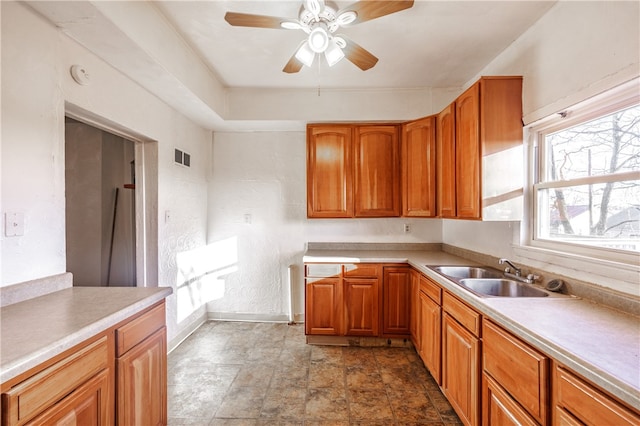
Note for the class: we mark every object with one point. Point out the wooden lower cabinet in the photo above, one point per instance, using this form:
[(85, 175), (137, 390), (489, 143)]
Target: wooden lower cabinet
[(396, 301), (65, 389), (461, 359), (118, 376), (342, 300), (142, 382), (578, 402), (361, 306), (430, 329), (415, 321), (323, 306), (521, 371)]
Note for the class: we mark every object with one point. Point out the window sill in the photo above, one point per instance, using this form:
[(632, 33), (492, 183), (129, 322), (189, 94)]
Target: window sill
[(622, 277)]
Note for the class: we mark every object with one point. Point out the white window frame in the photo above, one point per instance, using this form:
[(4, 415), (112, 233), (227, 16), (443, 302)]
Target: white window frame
[(610, 263)]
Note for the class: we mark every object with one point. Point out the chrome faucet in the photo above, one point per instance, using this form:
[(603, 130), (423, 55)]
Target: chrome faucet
[(517, 271)]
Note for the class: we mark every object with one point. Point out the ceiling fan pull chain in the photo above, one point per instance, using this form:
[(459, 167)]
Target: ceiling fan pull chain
[(319, 76)]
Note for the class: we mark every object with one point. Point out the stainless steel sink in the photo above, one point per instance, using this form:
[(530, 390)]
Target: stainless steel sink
[(500, 287), (460, 272)]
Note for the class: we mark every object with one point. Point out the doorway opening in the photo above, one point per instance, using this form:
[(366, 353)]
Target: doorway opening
[(141, 180), (100, 206)]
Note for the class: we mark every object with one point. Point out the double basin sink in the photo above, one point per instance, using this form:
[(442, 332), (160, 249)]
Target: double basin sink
[(488, 282)]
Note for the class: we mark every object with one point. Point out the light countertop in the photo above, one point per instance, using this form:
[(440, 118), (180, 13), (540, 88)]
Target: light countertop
[(34, 330), (597, 342)]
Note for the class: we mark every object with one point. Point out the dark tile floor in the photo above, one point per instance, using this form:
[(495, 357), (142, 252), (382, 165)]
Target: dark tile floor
[(239, 373)]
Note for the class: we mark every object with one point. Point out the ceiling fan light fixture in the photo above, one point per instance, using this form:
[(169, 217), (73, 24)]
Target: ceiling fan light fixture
[(305, 54), (318, 39), (314, 6), (346, 18), (333, 54), (291, 25)]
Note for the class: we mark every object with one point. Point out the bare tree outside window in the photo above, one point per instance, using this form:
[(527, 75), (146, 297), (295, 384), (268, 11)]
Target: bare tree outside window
[(592, 194)]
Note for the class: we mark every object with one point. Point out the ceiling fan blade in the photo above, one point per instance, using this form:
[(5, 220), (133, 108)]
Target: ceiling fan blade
[(372, 9), (293, 66), (257, 21), (358, 55)]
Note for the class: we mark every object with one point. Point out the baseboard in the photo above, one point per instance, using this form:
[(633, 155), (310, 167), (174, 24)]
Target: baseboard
[(249, 317), (186, 332)]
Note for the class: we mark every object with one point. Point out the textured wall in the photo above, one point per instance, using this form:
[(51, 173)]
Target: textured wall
[(36, 88), (263, 174)]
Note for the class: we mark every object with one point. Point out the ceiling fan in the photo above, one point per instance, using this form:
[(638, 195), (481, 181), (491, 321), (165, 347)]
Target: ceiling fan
[(320, 19)]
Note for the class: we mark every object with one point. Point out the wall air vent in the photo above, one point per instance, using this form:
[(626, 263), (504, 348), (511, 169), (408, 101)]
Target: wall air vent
[(182, 158)]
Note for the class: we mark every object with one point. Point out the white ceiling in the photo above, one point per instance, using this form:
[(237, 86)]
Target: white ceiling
[(432, 44), (188, 55)]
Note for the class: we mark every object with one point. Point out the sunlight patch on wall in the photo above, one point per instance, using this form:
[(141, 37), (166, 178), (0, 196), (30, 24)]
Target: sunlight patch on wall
[(202, 273)]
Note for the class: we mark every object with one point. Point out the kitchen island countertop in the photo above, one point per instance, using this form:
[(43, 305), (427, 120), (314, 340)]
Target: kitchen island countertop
[(37, 329)]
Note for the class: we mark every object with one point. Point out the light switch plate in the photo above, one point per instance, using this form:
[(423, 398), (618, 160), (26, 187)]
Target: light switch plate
[(14, 224)]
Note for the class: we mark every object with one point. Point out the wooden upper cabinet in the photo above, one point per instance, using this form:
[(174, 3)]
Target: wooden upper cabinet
[(377, 171), (468, 154), (418, 168), (446, 161), (488, 123), (329, 171)]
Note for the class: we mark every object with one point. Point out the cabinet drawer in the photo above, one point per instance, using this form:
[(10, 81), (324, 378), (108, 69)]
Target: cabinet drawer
[(586, 403), (369, 270), (139, 329), (465, 315), (500, 408), (45, 388), (431, 289), (87, 405), (520, 370), (322, 270)]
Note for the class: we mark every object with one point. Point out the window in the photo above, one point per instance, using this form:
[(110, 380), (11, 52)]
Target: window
[(586, 192)]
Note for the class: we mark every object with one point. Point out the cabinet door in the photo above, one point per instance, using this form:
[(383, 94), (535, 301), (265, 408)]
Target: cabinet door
[(323, 306), (329, 171), (431, 321), (361, 306), (396, 287), (468, 153), (416, 325), (377, 171), (419, 168), (500, 408), (460, 370), (142, 382), (446, 161)]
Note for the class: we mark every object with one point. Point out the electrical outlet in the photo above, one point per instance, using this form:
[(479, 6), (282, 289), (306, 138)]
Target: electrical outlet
[(247, 219), (14, 224), (407, 228)]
